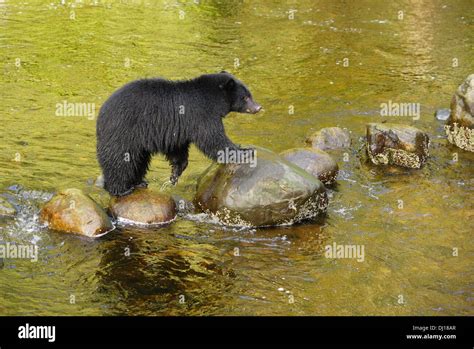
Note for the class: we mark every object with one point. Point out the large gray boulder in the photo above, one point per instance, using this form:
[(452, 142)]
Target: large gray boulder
[(72, 211), (460, 125), (394, 144), (274, 192)]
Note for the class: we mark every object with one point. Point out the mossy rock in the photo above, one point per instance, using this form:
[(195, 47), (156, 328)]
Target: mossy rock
[(395, 144), (273, 192), (460, 125)]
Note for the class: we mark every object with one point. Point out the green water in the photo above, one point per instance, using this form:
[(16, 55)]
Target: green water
[(299, 64)]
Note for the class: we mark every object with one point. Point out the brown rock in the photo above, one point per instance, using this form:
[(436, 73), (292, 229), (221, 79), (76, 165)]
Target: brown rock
[(72, 211), (143, 207)]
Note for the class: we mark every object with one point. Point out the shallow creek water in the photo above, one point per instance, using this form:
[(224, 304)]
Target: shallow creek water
[(296, 64)]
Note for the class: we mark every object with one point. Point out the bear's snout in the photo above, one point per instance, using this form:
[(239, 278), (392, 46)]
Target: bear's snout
[(253, 107)]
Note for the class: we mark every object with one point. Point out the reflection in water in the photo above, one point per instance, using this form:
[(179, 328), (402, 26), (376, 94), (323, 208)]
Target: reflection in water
[(297, 63), (416, 36), (161, 275)]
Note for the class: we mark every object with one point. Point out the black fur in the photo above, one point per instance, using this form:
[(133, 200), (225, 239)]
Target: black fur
[(143, 118)]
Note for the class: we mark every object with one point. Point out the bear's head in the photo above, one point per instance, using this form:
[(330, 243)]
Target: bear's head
[(238, 95)]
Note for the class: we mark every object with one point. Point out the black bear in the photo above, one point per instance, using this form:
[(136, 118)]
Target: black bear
[(151, 116)]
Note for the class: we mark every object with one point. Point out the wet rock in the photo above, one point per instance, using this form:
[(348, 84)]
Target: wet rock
[(330, 138), (183, 206), (314, 161), (6, 208), (394, 144), (273, 192), (72, 211), (460, 125), (143, 207), (442, 114)]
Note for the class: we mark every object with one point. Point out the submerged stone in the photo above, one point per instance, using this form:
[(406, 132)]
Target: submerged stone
[(314, 161), (143, 207), (330, 138), (72, 211), (394, 144), (6, 208), (460, 125), (274, 192)]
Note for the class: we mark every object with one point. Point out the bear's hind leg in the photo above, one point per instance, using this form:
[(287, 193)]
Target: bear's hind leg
[(141, 169), (123, 176), (117, 186)]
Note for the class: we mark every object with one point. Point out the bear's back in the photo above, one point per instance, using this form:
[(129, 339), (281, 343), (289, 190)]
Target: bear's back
[(136, 99)]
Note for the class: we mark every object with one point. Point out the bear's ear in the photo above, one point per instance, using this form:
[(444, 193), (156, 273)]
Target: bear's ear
[(224, 72), (227, 84)]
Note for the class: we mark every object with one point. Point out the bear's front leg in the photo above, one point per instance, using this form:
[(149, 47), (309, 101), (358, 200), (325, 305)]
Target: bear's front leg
[(214, 142), (178, 161), (176, 171)]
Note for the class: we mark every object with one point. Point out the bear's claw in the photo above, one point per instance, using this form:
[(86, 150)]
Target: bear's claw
[(174, 179)]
